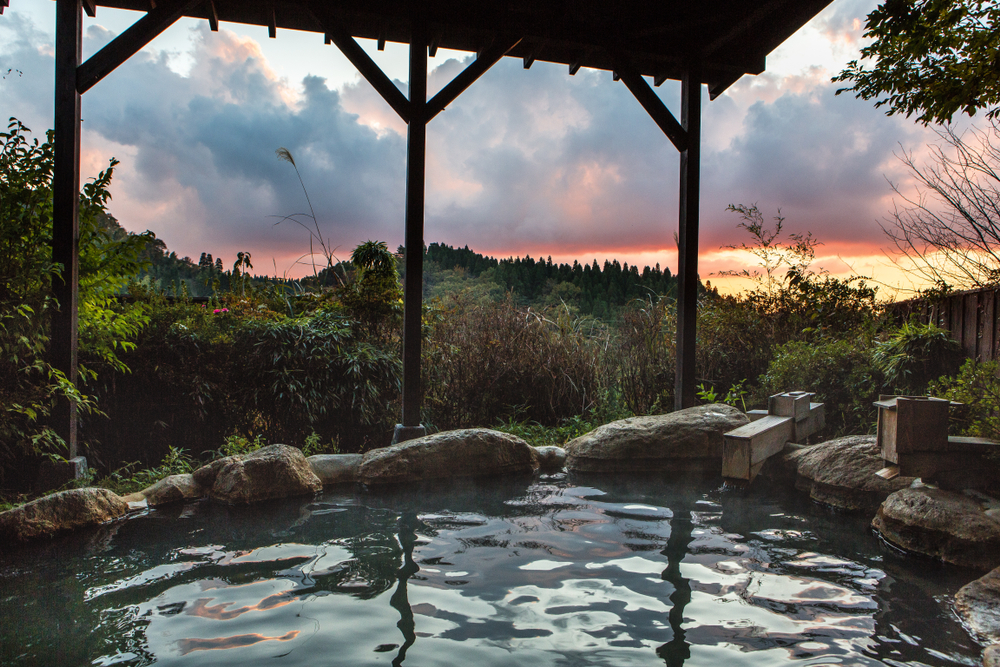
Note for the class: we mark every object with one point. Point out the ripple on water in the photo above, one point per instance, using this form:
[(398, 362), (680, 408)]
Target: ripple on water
[(634, 574)]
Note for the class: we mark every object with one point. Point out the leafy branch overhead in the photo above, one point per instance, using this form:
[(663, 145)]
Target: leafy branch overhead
[(931, 58)]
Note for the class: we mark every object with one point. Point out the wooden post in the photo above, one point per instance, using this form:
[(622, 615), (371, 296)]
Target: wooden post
[(416, 149), (66, 209), (687, 237)]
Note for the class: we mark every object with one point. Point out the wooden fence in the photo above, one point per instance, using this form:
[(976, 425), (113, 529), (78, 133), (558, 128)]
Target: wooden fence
[(971, 317)]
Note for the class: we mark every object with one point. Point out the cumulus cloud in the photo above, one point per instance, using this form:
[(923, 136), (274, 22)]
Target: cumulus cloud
[(530, 161)]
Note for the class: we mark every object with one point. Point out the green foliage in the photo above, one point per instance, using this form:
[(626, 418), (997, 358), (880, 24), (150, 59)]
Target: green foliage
[(932, 58), (132, 477), (374, 297), (840, 372), (641, 354), (314, 445), (914, 354), (772, 253), (738, 334), (736, 395), (237, 444), (488, 363), (977, 388), (587, 289), (295, 373), (29, 386), (542, 436)]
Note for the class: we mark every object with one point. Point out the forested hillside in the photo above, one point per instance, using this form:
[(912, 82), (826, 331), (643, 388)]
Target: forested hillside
[(589, 289)]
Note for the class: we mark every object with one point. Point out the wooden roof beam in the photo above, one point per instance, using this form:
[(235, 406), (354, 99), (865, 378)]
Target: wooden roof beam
[(370, 70), (468, 76), (652, 103), (127, 44), (213, 16)]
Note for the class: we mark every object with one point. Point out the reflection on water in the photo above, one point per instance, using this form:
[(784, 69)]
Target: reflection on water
[(559, 571)]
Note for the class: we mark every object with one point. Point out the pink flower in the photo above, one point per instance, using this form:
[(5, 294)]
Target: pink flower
[(220, 310)]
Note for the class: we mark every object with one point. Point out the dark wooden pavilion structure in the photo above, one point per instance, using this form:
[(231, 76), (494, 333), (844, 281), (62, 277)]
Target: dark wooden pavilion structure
[(711, 43)]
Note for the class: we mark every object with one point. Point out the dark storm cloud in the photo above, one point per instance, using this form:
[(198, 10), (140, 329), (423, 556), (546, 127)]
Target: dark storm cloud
[(200, 166), (214, 134), (524, 161)]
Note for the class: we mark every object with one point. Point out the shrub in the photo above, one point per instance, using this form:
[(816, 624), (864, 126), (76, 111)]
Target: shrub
[(488, 363), (739, 334), (29, 386), (641, 354), (914, 354), (840, 372), (977, 388)]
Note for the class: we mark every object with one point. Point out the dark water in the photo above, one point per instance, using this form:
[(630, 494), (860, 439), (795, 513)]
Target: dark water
[(551, 571)]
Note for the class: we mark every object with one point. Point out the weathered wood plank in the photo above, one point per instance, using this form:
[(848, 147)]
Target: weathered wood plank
[(753, 443), (793, 404), (922, 424), (961, 443), (989, 326), (814, 422), (970, 324), (955, 312)]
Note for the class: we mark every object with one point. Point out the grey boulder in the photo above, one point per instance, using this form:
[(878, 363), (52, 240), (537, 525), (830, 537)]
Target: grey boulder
[(682, 440), (172, 489), (277, 471), (474, 452), (336, 468), (841, 473), (58, 512), (550, 458), (978, 605), (946, 525)]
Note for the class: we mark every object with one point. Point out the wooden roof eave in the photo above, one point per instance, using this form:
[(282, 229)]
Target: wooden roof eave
[(727, 45)]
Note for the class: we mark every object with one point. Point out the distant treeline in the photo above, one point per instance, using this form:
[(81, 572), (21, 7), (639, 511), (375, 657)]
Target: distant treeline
[(590, 288)]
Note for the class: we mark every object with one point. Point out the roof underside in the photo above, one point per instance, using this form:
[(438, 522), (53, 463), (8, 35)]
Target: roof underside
[(729, 38)]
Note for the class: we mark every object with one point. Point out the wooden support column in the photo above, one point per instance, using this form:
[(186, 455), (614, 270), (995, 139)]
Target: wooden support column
[(416, 152), (687, 250), (66, 208)]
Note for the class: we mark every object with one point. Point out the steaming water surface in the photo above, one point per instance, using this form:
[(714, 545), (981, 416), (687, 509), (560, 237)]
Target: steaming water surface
[(554, 571)]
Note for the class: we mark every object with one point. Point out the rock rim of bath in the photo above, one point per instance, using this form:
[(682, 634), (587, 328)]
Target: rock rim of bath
[(841, 473), (473, 452), (60, 512), (946, 525), (978, 605), (276, 471), (686, 439), (336, 468), (171, 489), (991, 656), (551, 458)]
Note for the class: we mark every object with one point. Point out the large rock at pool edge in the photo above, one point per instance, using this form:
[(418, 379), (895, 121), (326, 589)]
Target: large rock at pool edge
[(336, 468), (841, 473), (682, 440), (172, 489), (950, 526), (58, 512), (978, 605), (474, 452), (277, 471)]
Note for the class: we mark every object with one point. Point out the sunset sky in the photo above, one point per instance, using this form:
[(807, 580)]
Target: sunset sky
[(525, 162)]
